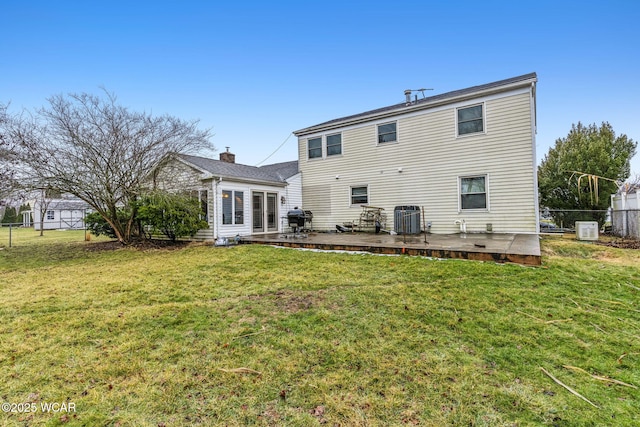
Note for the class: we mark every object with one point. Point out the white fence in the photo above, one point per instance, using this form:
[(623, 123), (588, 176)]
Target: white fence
[(625, 217)]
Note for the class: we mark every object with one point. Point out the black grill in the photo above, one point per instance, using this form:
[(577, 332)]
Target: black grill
[(295, 218), (298, 218)]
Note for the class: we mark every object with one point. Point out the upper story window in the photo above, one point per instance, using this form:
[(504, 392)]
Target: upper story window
[(315, 147), (334, 144), (473, 192), (470, 120), (387, 133)]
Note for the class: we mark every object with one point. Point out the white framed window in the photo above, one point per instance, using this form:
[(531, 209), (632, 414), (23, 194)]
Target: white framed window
[(204, 205), (232, 207), (314, 147), (202, 196), (51, 215), (238, 204), (334, 144), (387, 132), (470, 120), (474, 192), (360, 195)]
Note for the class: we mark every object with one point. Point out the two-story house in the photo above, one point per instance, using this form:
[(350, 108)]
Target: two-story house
[(467, 157)]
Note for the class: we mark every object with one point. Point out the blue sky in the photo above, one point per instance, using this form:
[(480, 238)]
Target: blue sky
[(256, 71)]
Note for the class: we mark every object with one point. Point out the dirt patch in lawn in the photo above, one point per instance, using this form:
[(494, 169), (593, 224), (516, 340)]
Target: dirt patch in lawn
[(293, 301), (621, 243)]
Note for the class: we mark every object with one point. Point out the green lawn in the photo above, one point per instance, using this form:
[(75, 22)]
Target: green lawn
[(254, 335), (28, 236)]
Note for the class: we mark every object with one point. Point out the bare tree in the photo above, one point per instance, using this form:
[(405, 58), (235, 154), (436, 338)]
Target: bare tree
[(7, 156), (101, 152), (42, 202)]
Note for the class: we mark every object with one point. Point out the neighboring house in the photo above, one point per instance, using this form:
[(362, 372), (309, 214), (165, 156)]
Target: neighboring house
[(467, 156), (236, 198), (59, 214)]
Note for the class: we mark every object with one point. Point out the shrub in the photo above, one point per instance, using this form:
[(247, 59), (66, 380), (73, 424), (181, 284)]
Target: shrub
[(174, 215)]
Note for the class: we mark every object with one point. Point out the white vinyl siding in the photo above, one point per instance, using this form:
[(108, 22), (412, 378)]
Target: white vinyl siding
[(293, 194), (432, 159)]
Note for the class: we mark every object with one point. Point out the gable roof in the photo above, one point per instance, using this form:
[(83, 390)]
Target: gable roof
[(276, 173), (425, 103), (284, 170)]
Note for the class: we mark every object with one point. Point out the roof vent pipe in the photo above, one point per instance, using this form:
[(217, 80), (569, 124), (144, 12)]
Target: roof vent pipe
[(407, 94)]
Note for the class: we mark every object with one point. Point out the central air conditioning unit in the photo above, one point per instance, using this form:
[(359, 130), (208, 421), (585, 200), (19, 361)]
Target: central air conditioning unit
[(587, 230)]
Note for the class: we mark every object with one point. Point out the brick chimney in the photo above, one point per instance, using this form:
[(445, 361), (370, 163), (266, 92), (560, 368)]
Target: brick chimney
[(227, 156)]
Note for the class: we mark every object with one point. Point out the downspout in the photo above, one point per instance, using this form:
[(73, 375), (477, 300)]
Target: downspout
[(216, 225)]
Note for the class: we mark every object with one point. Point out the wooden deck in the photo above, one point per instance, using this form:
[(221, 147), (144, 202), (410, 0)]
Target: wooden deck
[(516, 248)]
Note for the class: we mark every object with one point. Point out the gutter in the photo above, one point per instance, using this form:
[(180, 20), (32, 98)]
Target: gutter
[(216, 226), (534, 131), (251, 181)]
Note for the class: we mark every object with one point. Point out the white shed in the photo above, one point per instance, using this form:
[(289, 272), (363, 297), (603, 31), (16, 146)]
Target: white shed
[(60, 214)]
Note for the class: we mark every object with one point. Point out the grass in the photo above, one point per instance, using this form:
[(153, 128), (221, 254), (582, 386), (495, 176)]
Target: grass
[(157, 337)]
